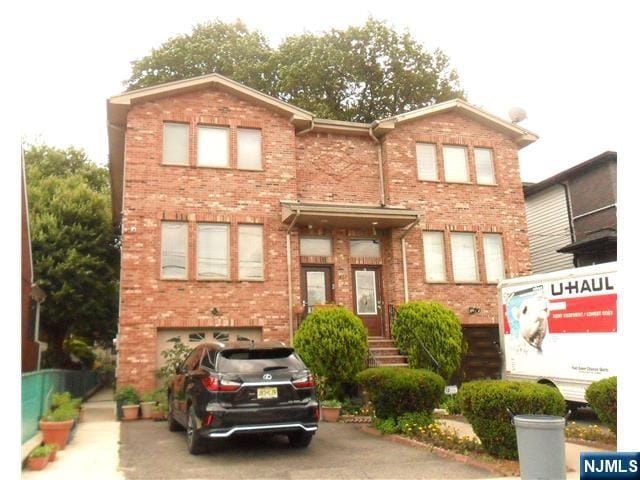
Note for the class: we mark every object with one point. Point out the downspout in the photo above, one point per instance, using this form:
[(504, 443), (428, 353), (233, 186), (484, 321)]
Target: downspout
[(313, 125), (380, 170), (289, 281), (404, 258)]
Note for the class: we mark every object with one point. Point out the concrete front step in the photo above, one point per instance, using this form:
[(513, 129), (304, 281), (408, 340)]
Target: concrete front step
[(385, 352), (391, 359)]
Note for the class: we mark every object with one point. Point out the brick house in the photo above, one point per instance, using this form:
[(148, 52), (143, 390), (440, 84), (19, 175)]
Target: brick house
[(240, 212)]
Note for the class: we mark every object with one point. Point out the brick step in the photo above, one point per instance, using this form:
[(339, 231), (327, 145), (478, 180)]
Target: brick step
[(381, 343), (392, 359), (384, 352)]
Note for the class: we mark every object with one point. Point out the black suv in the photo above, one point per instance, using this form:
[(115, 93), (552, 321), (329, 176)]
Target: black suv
[(225, 389)]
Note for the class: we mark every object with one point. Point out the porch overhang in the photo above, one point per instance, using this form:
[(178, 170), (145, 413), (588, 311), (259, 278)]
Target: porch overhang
[(346, 216)]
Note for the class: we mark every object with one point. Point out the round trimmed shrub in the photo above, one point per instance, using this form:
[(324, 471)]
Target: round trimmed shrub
[(332, 342), (603, 398), (396, 391), (484, 403), (439, 330)]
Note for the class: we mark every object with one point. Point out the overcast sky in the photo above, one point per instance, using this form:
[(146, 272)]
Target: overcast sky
[(558, 61)]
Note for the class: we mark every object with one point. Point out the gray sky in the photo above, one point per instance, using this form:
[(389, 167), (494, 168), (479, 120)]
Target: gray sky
[(557, 60)]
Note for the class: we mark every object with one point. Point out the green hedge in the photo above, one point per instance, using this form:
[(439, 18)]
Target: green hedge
[(435, 326), (332, 342), (484, 403), (603, 398), (396, 391)]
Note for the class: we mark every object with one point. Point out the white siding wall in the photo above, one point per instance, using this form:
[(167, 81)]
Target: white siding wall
[(548, 221)]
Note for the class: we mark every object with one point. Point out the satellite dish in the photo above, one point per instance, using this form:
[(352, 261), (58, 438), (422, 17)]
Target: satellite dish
[(517, 114)]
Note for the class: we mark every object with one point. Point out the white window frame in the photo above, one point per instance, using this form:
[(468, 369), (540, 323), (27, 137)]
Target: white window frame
[(228, 230), (184, 225), (430, 254), (455, 258), (491, 163), (448, 171), (252, 226), (239, 131), (201, 150), (423, 173), (165, 160), (491, 261)]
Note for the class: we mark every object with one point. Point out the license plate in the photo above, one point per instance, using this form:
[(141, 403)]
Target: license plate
[(266, 393)]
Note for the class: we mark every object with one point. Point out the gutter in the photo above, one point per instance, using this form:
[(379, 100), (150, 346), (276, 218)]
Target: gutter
[(313, 125), (380, 170), (289, 280), (404, 258)]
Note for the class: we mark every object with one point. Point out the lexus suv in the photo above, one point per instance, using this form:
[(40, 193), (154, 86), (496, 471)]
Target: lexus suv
[(227, 389)]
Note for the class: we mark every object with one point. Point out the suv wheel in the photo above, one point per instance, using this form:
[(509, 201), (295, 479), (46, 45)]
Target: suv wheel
[(174, 426), (195, 444), (300, 439)]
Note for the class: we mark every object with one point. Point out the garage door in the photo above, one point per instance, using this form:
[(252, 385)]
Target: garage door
[(193, 336)]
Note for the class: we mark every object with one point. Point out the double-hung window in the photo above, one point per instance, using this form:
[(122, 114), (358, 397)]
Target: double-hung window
[(174, 250), (463, 255), (434, 259), (175, 140), (250, 252), (493, 257), (213, 251), (213, 146), (249, 149), (485, 174), (455, 164), (427, 163)]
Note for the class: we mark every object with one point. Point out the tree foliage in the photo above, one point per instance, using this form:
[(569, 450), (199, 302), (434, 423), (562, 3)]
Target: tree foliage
[(74, 248), (361, 73)]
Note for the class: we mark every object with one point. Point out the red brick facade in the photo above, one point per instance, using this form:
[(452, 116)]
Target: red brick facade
[(315, 166)]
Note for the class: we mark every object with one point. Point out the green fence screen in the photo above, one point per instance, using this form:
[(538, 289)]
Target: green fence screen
[(37, 388)]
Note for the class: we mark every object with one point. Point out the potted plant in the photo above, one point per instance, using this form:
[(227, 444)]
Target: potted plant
[(330, 410), (148, 402), (56, 425), (38, 458), (53, 449), (130, 402)]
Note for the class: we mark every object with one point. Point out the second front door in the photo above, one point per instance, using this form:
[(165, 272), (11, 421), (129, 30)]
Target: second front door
[(367, 298), (317, 286)]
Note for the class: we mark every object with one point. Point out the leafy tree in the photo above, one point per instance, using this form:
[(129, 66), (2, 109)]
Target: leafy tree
[(74, 247), (358, 74)]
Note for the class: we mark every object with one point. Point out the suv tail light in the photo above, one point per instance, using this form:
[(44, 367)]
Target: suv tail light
[(213, 384), (305, 382)]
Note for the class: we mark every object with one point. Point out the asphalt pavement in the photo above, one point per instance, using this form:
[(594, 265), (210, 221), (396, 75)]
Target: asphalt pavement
[(338, 451)]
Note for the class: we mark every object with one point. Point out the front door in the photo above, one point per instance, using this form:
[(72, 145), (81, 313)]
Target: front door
[(367, 298), (317, 286)]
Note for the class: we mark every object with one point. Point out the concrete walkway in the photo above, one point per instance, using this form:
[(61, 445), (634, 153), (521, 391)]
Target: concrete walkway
[(572, 450), (93, 452)]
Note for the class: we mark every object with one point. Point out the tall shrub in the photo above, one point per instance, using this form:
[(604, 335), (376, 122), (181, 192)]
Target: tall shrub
[(484, 403), (603, 398), (430, 325), (332, 342)]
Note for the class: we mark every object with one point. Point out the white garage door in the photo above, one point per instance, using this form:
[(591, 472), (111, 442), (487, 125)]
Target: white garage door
[(193, 336)]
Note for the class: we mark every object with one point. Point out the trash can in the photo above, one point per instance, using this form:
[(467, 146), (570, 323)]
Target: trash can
[(541, 447)]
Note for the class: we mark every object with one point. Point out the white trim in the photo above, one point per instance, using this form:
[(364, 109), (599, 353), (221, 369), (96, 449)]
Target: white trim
[(597, 210)]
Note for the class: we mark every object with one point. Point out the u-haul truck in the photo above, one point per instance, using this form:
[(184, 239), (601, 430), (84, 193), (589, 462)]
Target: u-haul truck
[(560, 328)]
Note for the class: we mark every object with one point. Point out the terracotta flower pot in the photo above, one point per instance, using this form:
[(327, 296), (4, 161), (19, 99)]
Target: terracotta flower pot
[(56, 432), (37, 463), (52, 455), (130, 412), (330, 414), (146, 409)]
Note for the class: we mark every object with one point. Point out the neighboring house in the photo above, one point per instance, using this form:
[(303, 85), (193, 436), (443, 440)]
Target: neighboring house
[(32, 295), (240, 212), (572, 216)]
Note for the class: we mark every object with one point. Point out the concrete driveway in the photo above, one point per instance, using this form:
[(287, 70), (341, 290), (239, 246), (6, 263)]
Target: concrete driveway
[(149, 451)]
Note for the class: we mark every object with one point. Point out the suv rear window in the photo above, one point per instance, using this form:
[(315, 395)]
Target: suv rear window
[(249, 360)]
